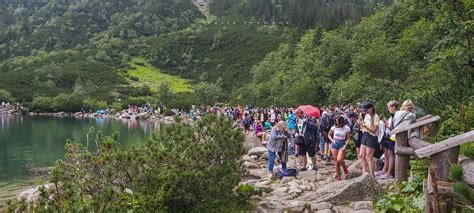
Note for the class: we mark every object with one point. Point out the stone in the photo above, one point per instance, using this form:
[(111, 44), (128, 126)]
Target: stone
[(364, 187), (297, 206), (386, 183), (320, 206), (355, 170), (309, 175), (304, 187), (365, 211), (362, 205), (258, 151), (294, 189), (264, 156), (270, 204), (257, 173), (250, 165), (248, 158), (280, 192), (468, 166), (286, 179), (32, 195), (324, 211)]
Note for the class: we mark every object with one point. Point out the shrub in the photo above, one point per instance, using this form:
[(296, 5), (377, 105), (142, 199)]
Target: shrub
[(185, 168), (42, 104), (92, 104), (5, 96)]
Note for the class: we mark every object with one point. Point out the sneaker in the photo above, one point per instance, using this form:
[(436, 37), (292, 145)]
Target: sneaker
[(386, 176), (379, 173), (346, 171), (324, 157)]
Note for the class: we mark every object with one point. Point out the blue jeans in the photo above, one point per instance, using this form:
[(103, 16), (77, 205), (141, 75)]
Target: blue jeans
[(271, 161), (321, 144)]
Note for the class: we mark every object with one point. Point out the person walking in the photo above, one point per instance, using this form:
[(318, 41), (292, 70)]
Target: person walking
[(340, 136), (275, 145)]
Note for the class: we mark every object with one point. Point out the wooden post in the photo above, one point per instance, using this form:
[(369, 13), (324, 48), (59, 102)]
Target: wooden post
[(401, 166)]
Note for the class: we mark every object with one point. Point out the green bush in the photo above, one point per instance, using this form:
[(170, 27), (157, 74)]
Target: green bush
[(117, 107), (42, 104), (67, 103), (185, 168), (5, 96), (410, 199), (93, 104)]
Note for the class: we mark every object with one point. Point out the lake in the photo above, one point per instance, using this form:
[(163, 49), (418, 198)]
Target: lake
[(39, 141)]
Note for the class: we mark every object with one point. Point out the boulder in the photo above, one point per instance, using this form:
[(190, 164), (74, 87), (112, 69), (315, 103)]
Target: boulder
[(324, 211), (468, 166), (355, 170), (320, 206), (362, 205), (304, 187), (264, 156), (250, 165), (294, 190), (309, 175), (297, 206), (257, 151), (364, 187), (32, 195), (286, 179), (257, 173), (280, 192)]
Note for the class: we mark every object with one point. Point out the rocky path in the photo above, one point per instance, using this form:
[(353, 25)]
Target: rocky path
[(310, 191)]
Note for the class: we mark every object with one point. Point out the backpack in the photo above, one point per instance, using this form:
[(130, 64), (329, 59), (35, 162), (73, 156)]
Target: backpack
[(287, 172), (327, 122)]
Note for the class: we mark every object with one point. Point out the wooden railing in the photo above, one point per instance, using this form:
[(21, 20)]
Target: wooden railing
[(409, 142)]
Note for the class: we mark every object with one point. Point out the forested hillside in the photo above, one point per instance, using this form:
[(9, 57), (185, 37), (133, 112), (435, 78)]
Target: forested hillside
[(66, 55), (407, 50)]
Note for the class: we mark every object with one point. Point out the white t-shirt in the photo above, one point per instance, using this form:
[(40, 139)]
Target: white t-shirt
[(340, 132), (368, 123), (299, 123)]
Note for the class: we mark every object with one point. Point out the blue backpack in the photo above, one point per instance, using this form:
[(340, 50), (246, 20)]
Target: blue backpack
[(287, 172)]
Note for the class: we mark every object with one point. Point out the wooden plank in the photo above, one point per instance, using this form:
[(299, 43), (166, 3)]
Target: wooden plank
[(416, 125), (416, 143), (402, 161), (445, 145), (400, 150), (424, 118)]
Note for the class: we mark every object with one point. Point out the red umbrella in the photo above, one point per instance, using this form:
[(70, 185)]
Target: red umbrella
[(310, 110)]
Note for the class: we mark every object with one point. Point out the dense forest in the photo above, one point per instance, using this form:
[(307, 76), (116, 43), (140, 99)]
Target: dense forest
[(68, 55), (71, 55)]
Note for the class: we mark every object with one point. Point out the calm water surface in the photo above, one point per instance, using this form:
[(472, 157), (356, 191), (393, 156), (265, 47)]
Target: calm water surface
[(39, 141)]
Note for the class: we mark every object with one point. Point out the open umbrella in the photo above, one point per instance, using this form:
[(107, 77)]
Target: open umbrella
[(310, 110)]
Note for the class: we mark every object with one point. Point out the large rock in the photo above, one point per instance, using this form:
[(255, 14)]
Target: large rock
[(309, 175), (251, 141), (355, 170), (32, 195), (257, 151), (363, 188), (320, 206), (250, 165), (468, 166), (362, 205), (297, 206)]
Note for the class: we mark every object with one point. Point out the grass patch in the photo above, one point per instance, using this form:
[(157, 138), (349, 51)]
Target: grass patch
[(148, 74)]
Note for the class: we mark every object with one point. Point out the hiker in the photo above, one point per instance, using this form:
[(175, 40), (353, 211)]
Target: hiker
[(276, 145), (388, 144), (340, 136), (369, 139), (327, 121), (247, 122), (305, 131)]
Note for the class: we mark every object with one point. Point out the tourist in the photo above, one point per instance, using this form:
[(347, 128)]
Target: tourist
[(247, 122), (369, 139), (327, 121), (305, 131), (276, 144), (340, 136), (358, 134), (389, 144)]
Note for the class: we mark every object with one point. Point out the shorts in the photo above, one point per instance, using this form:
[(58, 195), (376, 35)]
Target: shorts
[(338, 145), (359, 139), (307, 148), (370, 141)]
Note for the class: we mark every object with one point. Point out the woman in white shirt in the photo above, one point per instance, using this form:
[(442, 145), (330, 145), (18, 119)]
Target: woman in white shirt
[(340, 136), (370, 141)]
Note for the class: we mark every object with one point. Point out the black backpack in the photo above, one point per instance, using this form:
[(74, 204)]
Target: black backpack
[(327, 122)]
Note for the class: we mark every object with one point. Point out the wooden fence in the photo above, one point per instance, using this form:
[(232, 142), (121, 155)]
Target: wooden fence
[(409, 142)]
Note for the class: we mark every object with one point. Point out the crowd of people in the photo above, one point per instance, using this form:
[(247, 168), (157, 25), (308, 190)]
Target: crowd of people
[(290, 132)]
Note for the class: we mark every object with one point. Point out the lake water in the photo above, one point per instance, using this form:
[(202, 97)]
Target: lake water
[(39, 141)]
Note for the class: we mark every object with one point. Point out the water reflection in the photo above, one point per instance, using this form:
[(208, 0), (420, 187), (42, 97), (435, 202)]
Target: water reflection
[(40, 140)]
